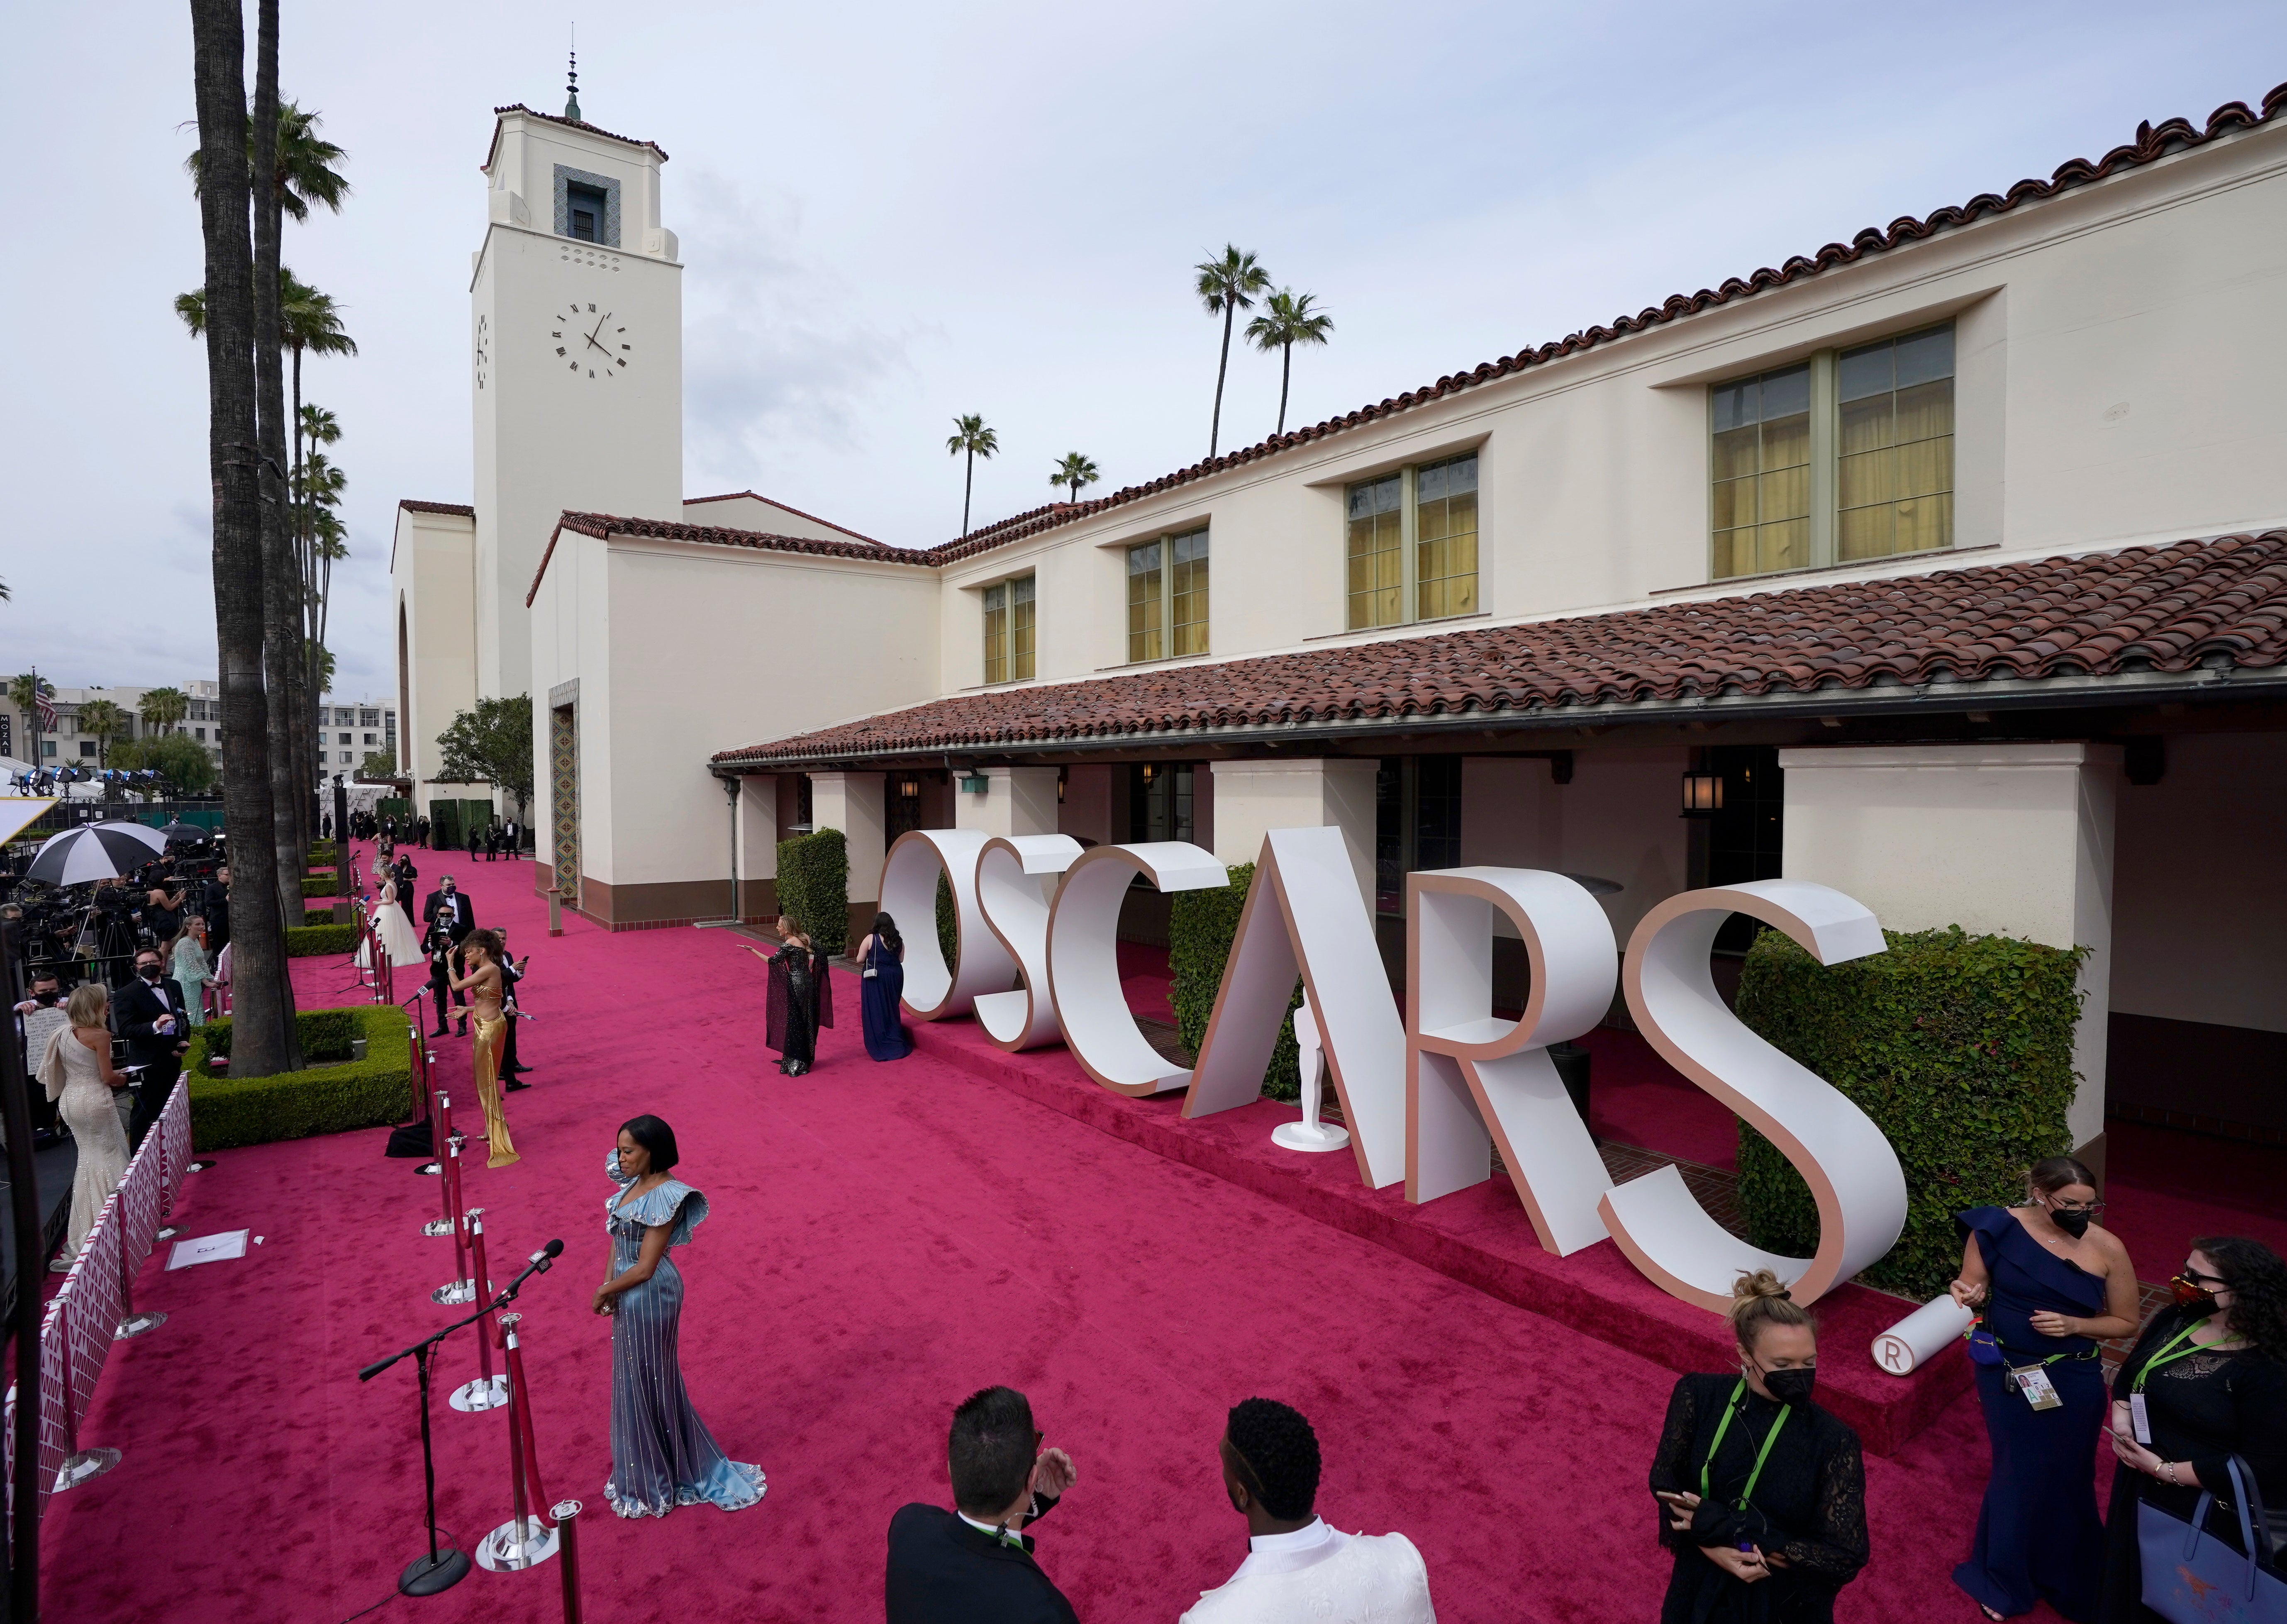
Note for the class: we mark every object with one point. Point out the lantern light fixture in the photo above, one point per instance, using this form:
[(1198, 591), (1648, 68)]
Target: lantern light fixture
[(1703, 795)]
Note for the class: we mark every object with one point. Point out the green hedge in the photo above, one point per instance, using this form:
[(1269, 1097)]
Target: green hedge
[(317, 941), (948, 920), (814, 886), (1201, 929), (316, 916), (331, 1094), (324, 854), (327, 887), (1959, 1047)]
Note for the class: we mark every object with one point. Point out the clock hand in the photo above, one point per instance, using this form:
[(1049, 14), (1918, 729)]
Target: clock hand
[(606, 316)]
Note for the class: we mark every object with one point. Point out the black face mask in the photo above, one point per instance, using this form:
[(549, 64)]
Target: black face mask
[(149, 972), (2074, 1224), (1792, 1387)]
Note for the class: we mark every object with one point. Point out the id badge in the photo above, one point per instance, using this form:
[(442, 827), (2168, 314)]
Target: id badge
[(2139, 1420), (2039, 1391)]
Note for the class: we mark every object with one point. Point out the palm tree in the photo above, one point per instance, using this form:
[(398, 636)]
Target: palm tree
[(1287, 319), (1226, 286), (25, 693), (315, 494), (103, 722), (305, 167), (164, 707), (260, 1018), (1075, 471), (971, 437)]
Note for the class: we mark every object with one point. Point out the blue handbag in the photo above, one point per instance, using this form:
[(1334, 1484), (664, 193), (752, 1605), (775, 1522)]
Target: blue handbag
[(1984, 1350), (2192, 1578)]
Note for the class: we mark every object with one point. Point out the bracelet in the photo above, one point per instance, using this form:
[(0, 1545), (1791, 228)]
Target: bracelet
[(2170, 1467)]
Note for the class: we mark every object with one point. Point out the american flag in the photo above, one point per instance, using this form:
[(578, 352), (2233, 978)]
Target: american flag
[(46, 708)]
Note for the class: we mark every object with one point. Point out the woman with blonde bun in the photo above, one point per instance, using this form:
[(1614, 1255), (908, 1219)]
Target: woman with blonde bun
[(1761, 1494)]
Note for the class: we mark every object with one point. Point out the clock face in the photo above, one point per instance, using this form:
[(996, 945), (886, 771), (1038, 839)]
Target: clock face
[(590, 340), (484, 349)]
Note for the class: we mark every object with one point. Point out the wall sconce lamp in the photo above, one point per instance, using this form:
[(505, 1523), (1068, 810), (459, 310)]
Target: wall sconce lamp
[(1061, 779), (1703, 795), (909, 789), (974, 784), (1148, 770)]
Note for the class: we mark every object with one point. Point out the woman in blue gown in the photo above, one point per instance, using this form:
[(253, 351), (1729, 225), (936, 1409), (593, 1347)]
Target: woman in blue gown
[(2053, 1284), (662, 1455), (881, 983)]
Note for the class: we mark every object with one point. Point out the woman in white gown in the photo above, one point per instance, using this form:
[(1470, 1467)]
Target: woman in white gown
[(77, 1071), (395, 929)]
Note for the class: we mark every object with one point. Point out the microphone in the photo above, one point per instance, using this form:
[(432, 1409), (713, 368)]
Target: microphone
[(536, 1264)]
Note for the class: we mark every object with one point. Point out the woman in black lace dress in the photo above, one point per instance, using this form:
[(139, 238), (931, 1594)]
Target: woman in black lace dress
[(2209, 1375), (801, 1000), (1761, 1494)]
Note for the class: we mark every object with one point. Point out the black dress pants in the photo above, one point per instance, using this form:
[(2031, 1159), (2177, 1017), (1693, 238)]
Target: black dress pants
[(159, 1074)]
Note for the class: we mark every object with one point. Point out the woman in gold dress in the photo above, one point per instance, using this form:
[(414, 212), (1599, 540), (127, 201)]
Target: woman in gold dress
[(488, 1026)]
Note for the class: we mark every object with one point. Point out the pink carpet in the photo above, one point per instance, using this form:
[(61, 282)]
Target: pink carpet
[(885, 1240)]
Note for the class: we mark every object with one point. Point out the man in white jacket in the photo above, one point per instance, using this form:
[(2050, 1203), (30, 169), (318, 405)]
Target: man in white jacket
[(1298, 1570)]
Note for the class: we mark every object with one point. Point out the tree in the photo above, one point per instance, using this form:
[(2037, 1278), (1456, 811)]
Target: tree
[(103, 722), (305, 169), (181, 760), (1226, 286), (164, 707), (971, 435), (1287, 319), (1075, 471), (491, 744), (379, 764), (262, 1013)]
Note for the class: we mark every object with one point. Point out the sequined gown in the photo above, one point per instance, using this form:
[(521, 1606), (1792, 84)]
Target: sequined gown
[(662, 1455)]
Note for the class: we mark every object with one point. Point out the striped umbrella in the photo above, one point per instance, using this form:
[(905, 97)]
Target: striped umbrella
[(95, 851)]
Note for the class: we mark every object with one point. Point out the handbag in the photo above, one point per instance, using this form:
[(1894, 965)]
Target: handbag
[(1984, 1350), (2191, 1578)]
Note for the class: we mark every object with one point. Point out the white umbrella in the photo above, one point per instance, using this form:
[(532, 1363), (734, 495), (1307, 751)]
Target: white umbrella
[(94, 851)]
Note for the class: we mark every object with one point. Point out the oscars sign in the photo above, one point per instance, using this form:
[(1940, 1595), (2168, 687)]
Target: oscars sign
[(1426, 1095)]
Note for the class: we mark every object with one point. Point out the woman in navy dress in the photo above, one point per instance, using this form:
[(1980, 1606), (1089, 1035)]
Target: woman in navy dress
[(662, 1455), (2053, 1284), (881, 983)]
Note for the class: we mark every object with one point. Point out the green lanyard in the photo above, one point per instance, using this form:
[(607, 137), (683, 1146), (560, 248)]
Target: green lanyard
[(2164, 1357), (1730, 1409)]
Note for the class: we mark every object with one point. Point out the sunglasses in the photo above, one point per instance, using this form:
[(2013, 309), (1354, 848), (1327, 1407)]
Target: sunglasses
[(2194, 1274)]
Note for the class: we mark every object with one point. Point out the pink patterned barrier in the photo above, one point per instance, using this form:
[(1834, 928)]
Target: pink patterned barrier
[(92, 1318)]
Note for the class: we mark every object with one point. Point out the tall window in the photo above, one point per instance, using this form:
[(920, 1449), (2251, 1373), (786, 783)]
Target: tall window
[(1846, 456), (584, 206), (1895, 492), (1762, 473), (1008, 630), (1413, 544), (1159, 802), (1168, 596), (1445, 521)]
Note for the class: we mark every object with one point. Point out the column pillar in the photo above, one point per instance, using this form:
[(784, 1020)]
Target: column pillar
[(1017, 801), (2009, 840), (759, 845), (1253, 798), (852, 802)]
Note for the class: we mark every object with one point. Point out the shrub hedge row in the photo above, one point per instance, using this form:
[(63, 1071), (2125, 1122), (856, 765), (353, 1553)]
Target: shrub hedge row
[(814, 886), (327, 887), (1959, 1047), (317, 916), (1201, 926), (329, 1095), (317, 941)]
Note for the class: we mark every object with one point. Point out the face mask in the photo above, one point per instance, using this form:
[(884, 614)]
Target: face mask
[(149, 972), (2194, 1298), (1792, 1387), (2074, 1224)]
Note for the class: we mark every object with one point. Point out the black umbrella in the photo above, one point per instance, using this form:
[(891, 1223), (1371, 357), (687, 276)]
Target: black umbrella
[(178, 832), (94, 851)]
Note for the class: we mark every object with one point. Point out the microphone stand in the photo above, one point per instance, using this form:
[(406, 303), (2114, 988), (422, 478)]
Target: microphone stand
[(442, 1570)]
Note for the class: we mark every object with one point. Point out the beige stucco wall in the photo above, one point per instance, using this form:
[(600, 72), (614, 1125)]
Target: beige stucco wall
[(432, 577), (1617, 820), (2199, 921), (744, 510)]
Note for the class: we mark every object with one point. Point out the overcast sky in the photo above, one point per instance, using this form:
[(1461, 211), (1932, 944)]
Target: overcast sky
[(892, 214)]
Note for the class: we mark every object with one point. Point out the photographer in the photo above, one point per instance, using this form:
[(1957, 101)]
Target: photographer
[(153, 1018), (216, 907), (162, 917), (443, 946)]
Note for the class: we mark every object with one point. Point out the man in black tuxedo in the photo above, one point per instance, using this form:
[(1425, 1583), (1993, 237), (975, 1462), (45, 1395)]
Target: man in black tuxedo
[(972, 1566), (449, 911), (512, 972), (153, 1018)]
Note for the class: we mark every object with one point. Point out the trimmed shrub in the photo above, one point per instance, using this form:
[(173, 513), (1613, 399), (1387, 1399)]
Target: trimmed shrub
[(324, 854), (814, 886), (330, 1095), (1201, 926), (316, 941), (1959, 1047), (317, 916), (948, 919), (312, 886)]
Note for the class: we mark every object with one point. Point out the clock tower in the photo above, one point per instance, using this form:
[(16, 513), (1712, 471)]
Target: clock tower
[(575, 356)]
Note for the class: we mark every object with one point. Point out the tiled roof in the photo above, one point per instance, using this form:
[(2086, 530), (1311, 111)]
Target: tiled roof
[(731, 496), (460, 510), (2220, 602), (2152, 142), (605, 525), (569, 123)]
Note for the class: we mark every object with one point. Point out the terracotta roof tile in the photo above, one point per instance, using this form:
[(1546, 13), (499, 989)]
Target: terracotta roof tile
[(569, 123), (604, 525), (2221, 602), (462, 510), (731, 496), (2153, 142)]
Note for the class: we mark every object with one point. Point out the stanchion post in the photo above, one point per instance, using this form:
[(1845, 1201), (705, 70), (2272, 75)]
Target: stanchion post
[(462, 1288), (487, 1391), (520, 1407), (567, 1515), (527, 1539)]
